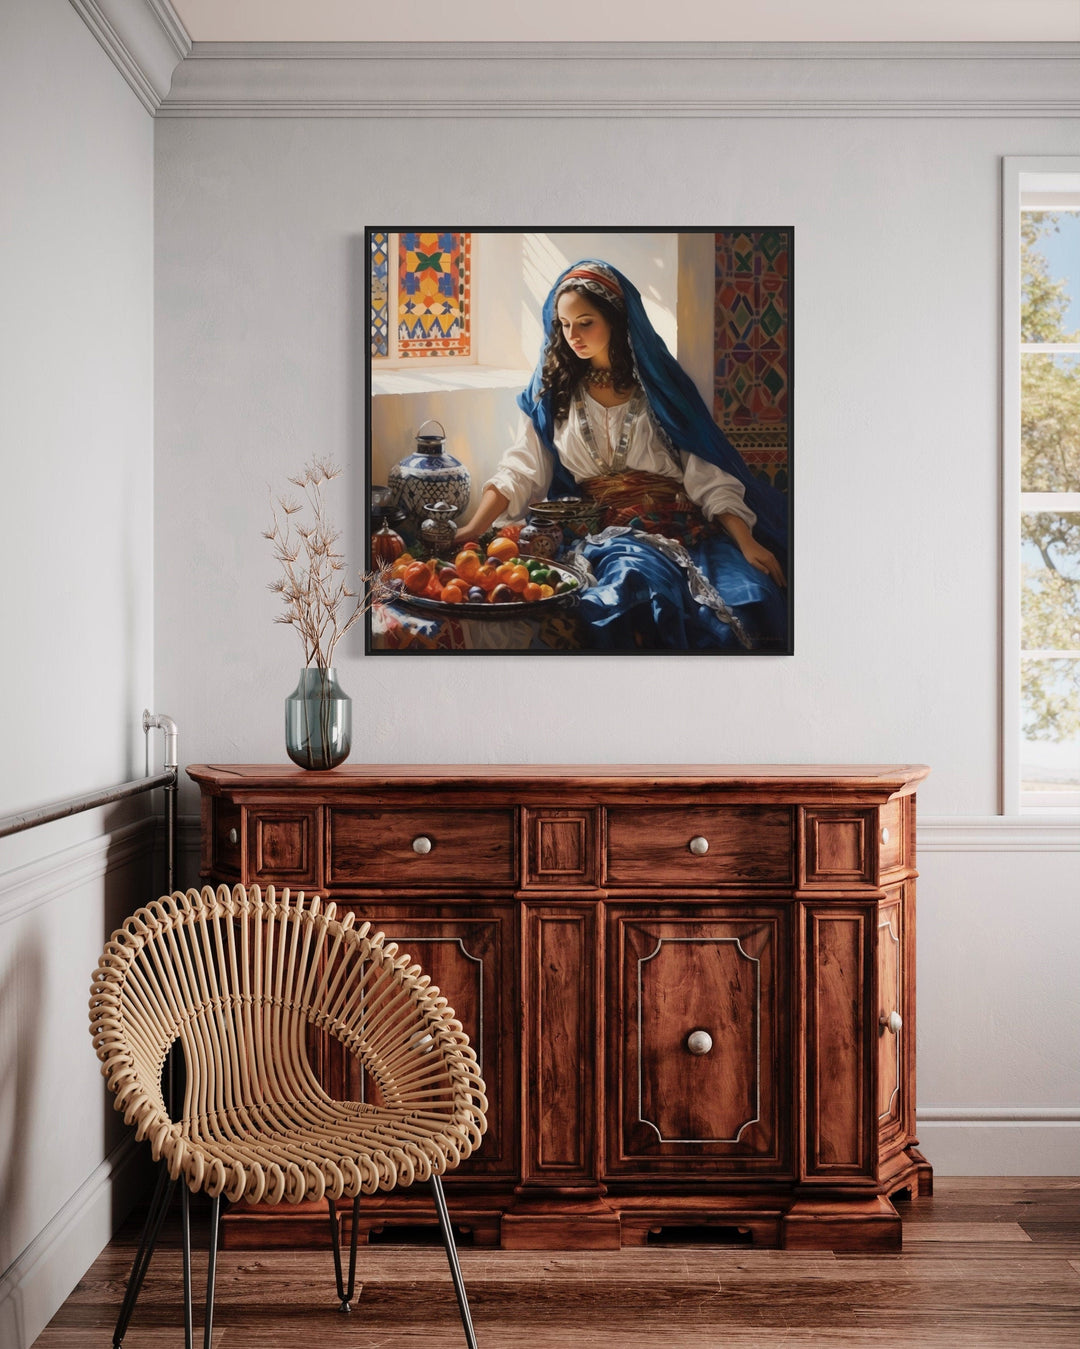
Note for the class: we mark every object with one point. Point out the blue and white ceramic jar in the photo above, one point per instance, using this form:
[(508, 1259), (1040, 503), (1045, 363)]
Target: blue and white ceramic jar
[(428, 476)]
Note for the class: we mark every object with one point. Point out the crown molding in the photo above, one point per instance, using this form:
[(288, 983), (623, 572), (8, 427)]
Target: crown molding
[(626, 79), (144, 39)]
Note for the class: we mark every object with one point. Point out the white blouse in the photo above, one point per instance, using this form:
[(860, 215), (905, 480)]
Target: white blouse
[(526, 469)]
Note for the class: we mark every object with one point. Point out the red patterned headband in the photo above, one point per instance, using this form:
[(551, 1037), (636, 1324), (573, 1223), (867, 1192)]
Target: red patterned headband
[(595, 276)]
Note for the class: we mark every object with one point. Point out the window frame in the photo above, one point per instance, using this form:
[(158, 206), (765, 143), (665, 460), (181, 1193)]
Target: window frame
[(1021, 176)]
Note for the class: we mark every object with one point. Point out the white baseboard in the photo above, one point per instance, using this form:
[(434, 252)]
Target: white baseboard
[(36, 1284), (1001, 1140)]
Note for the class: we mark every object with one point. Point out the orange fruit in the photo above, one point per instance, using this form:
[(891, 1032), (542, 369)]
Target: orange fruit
[(517, 579), (502, 549), (467, 563), (416, 577), (452, 594), (531, 592)]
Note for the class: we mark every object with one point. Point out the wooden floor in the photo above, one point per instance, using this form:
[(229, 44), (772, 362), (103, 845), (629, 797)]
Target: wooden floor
[(986, 1263)]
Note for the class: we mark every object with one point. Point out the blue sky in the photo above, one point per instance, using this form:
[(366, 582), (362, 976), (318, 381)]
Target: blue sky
[(1062, 252)]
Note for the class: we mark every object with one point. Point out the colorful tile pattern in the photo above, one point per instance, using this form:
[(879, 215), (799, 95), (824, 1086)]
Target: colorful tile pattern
[(752, 332), (434, 282), (380, 299)]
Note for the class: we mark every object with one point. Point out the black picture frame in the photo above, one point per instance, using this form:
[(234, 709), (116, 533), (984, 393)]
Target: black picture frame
[(727, 295)]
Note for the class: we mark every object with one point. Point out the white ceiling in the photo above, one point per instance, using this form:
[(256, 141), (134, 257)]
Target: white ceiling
[(632, 21)]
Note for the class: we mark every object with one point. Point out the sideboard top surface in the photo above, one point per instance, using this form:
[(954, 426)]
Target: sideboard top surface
[(882, 780)]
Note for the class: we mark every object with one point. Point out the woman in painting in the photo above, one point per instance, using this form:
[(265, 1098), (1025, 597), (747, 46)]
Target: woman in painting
[(692, 547)]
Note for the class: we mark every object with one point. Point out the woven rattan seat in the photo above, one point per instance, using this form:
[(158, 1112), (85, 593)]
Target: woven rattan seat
[(242, 982)]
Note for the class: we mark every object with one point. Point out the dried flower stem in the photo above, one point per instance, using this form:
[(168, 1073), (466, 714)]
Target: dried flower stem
[(318, 601)]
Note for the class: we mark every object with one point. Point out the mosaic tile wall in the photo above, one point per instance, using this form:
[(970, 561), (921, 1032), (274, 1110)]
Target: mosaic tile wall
[(752, 331)]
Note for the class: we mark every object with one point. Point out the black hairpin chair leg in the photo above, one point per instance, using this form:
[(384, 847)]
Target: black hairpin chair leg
[(185, 1232), (345, 1295), (211, 1268), (452, 1258), (155, 1216)]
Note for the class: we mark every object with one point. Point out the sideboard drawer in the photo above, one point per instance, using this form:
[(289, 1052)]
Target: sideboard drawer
[(399, 849), (700, 845)]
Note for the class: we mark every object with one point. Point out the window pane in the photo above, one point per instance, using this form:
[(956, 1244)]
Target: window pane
[(1050, 729), (1049, 422), (1050, 597), (1050, 276), (380, 303), (433, 294), (1051, 582)]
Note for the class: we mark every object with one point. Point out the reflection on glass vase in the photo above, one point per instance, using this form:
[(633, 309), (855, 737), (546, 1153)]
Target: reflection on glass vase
[(318, 720)]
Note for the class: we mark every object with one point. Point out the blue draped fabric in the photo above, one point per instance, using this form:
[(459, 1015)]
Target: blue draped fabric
[(641, 600)]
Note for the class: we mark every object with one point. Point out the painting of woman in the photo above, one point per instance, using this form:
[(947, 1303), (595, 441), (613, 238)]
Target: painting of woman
[(692, 549)]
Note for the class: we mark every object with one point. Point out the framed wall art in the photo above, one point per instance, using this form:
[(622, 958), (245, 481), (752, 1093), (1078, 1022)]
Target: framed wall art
[(580, 441)]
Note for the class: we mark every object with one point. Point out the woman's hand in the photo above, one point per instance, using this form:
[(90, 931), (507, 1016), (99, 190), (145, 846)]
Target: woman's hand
[(755, 553), (492, 505), (759, 556)]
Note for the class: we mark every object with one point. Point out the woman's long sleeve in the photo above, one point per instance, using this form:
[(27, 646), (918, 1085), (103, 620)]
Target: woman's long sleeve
[(524, 473), (715, 491)]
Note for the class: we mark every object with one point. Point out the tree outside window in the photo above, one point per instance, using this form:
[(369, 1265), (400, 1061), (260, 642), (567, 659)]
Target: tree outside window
[(1050, 506)]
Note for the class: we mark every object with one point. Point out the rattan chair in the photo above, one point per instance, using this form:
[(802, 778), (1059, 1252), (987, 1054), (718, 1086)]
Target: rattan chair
[(237, 980)]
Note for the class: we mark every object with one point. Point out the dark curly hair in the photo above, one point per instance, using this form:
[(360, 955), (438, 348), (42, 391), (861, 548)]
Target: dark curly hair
[(563, 370)]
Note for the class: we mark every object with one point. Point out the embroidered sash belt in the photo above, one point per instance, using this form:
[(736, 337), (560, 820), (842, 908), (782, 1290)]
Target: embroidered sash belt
[(648, 501)]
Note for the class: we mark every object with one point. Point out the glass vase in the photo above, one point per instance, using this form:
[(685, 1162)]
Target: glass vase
[(318, 720)]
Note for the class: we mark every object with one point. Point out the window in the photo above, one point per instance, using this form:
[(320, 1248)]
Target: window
[(421, 296), (1042, 532)]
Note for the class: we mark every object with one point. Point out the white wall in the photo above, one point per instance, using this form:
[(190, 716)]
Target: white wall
[(260, 363), (261, 336), (76, 428)]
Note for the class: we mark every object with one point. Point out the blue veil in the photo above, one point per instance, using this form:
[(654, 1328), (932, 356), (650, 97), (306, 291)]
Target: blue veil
[(676, 406)]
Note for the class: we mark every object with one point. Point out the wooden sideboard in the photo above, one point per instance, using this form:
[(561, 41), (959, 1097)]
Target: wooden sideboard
[(691, 989)]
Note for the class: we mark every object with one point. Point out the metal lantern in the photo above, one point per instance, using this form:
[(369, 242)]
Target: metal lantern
[(427, 476)]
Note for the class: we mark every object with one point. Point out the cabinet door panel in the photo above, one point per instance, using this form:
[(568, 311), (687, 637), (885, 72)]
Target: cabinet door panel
[(838, 1101), (710, 983), (895, 1035), (471, 960), (560, 996)]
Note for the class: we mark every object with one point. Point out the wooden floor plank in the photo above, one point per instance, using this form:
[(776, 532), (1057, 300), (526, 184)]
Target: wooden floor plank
[(984, 1266)]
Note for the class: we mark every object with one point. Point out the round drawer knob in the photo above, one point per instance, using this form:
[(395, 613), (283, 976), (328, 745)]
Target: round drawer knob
[(699, 1042), (234, 837), (892, 1022), (884, 834), (421, 845), (699, 847)]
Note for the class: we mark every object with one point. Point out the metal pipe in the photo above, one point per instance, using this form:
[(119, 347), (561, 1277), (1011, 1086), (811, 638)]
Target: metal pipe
[(14, 824), (166, 724), (170, 762)]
